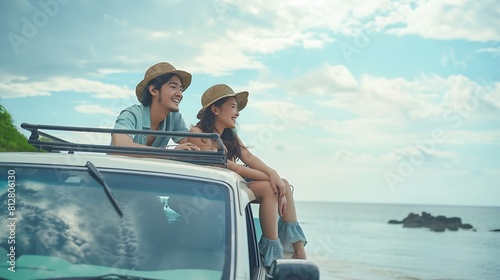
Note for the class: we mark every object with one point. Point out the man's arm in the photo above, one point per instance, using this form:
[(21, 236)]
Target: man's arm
[(124, 140), (126, 120)]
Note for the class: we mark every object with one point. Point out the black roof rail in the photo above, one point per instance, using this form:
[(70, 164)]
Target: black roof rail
[(57, 144)]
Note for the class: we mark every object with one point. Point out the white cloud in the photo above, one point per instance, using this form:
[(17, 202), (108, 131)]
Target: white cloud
[(212, 59), (449, 57), (387, 118), (363, 158), (259, 87), (108, 71), (14, 89), (464, 19), (466, 95), (283, 113), (363, 132), (471, 137), (309, 42), (120, 22), (371, 96), (337, 16), (243, 43), (95, 109), (230, 43), (394, 157), (328, 80), (427, 97), (494, 51), (426, 153)]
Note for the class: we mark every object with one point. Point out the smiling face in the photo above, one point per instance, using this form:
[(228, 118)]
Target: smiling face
[(170, 94), (226, 114)]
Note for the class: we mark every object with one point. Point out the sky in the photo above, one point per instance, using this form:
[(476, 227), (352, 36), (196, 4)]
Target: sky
[(351, 101)]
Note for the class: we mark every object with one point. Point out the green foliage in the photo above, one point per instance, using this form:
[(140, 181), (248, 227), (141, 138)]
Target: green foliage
[(11, 140)]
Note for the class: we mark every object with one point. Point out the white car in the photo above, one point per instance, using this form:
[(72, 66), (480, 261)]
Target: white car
[(79, 213)]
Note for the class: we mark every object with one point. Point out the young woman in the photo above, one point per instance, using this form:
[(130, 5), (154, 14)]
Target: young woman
[(221, 106)]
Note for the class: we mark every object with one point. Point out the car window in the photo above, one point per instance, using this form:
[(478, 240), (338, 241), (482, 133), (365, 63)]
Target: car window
[(64, 225)]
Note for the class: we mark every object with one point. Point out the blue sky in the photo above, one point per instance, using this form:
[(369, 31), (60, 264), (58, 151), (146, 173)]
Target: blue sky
[(379, 101)]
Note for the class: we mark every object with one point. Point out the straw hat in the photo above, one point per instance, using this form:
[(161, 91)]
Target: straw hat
[(217, 92), (158, 70)]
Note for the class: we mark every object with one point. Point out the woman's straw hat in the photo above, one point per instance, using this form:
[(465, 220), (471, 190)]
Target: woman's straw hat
[(217, 92), (159, 69)]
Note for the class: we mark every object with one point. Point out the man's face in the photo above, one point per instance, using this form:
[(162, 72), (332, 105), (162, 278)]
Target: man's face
[(170, 94)]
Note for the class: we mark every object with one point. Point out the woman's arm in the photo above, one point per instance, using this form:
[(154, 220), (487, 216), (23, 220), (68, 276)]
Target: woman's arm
[(247, 172), (203, 143), (254, 162)]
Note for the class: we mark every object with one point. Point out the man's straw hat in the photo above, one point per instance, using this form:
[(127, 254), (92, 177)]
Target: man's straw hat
[(158, 70), (217, 92)]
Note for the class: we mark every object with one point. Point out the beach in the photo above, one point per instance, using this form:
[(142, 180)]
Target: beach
[(355, 241)]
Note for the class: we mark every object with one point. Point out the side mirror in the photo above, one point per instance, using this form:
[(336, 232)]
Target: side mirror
[(293, 269)]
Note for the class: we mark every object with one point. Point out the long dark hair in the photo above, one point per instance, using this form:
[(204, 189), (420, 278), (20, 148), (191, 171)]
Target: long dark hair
[(228, 136)]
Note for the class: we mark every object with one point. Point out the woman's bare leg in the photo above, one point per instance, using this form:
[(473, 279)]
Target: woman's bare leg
[(268, 208), (291, 216), (268, 213)]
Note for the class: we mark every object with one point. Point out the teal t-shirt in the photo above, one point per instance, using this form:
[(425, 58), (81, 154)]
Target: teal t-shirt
[(139, 117)]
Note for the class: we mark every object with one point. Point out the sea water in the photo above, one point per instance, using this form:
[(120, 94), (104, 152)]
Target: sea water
[(355, 241)]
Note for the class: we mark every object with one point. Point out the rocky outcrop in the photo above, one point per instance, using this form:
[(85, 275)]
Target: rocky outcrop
[(434, 223)]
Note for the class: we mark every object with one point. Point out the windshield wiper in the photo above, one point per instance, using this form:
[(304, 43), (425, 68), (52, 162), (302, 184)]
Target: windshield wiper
[(98, 176)]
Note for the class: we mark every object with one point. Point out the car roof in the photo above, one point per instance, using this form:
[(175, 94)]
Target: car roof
[(155, 165)]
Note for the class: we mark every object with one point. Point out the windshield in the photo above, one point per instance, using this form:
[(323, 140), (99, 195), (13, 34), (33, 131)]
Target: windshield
[(59, 222)]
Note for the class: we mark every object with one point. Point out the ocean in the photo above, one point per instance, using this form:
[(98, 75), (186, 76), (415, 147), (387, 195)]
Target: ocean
[(354, 241)]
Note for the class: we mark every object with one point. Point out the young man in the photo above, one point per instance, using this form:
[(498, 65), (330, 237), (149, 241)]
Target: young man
[(159, 93)]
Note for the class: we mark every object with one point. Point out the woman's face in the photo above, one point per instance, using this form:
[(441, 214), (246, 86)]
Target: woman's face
[(227, 113)]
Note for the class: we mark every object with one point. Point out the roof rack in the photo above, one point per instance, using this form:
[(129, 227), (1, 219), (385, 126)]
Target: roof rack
[(58, 144)]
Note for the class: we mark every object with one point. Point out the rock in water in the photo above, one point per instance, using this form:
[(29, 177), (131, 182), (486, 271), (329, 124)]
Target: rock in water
[(436, 224)]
